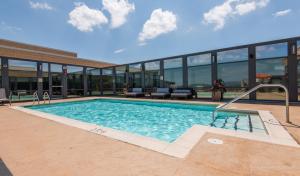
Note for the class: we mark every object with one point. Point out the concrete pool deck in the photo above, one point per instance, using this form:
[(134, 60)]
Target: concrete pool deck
[(31, 145)]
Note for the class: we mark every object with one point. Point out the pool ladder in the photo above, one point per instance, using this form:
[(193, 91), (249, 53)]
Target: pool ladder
[(287, 114), (46, 97), (37, 99)]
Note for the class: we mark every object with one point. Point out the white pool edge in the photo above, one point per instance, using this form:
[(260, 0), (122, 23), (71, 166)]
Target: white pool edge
[(181, 147)]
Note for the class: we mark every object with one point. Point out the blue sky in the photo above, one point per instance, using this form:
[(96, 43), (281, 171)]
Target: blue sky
[(124, 31)]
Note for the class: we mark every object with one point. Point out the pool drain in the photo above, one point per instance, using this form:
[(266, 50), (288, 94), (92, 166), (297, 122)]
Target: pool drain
[(215, 141)]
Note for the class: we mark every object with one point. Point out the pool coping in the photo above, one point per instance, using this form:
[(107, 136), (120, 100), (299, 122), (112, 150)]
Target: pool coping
[(182, 146)]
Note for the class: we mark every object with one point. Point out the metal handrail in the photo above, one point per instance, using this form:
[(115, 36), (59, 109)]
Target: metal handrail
[(254, 89), (35, 97), (46, 96)]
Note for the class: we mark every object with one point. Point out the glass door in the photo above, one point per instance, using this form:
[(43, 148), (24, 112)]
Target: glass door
[(57, 78)]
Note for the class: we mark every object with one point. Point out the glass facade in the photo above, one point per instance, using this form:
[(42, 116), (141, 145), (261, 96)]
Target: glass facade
[(268, 65), (152, 75), (271, 68), (22, 79), (173, 74), (233, 70), (75, 81), (107, 81), (120, 79), (56, 78), (93, 81), (199, 74), (135, 75)]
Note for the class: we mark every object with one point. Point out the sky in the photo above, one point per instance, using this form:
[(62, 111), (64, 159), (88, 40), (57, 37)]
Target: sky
[(126, 31)]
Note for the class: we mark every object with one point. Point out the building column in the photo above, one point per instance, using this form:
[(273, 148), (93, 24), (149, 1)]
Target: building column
[(252, 70), (127, 76), (114, 81), (143, 75), (50, 81), (184, 72), (85, 85), (214, 67), (101, 83), (65, 81), (161, 72), (292, 70), (40, 79), (5, 77)]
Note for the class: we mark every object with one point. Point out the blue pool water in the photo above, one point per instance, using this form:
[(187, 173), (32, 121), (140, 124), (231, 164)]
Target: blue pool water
[(163, 121)]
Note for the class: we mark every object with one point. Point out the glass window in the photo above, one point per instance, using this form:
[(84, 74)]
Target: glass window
[(120, 79), (45, 70), (56, 76), (152, 75), (271, 68), (173, 74), (199, 74), (93, 81), (271, 51), (107, 79), (135, 75), (75, 81), (233, 70), (22, 79)]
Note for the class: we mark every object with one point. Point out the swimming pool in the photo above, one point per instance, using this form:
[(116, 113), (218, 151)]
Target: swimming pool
[(160, 120)]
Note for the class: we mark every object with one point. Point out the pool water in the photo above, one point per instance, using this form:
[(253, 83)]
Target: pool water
[(163, 121)]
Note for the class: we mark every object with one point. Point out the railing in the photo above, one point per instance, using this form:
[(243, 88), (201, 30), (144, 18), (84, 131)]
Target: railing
[(254, 89), (46, 97), (35, 98)]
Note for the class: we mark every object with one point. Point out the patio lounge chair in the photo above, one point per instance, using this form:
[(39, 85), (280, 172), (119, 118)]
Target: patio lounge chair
[(161, 93), (3, 97), (135, 92), (182, 93)]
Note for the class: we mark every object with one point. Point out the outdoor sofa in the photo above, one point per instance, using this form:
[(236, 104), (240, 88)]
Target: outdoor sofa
[(135, 92), (182, 93), (161, 93)]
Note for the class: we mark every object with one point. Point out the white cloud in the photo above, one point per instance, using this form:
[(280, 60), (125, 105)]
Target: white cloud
[(231, 8), (119, 51), (9, 28), (40, 5), (160, 22), (282, 13), (86, 19), (119, 10), (245, 8)]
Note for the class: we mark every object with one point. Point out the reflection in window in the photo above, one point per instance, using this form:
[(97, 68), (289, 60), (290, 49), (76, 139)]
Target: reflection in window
[(120, 79), (107, 79), (75, 81), (135, 76), (233, 70), (152, 75), (270, 51), (45, 75), (93, 81), (199, 74), (173, 74), (22, 79), (271, 68), (56, 76)]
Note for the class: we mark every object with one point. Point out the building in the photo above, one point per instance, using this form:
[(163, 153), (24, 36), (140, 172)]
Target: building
[(28, 68)]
